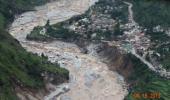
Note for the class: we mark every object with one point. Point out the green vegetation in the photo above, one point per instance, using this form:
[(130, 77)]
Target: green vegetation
[(150, 13), (147, 81), (52, 31), (110, 9), (1, 21), (36, 35), (23, 69), (9, 8), (59, 30), (117, 10), (18, 67), (161, 45)]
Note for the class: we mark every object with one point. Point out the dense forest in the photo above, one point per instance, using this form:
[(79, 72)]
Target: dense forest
[(18, 67), (150, 13)]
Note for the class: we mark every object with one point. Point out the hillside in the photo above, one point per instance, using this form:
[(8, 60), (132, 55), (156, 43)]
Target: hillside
[(19, 68), (140, 79)]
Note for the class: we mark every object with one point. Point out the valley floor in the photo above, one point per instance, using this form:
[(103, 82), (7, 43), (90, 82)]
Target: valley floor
[(90, 78)]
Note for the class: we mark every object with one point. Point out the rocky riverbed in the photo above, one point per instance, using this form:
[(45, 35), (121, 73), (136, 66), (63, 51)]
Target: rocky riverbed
[(90, 78)]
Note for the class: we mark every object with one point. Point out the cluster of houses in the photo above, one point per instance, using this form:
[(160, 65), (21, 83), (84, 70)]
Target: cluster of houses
[(94, 24), (135, 38), (98, 20)]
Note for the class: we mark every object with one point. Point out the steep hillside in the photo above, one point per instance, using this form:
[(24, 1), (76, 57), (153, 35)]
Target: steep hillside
[(19, 68), (140, 79), (150, 13)]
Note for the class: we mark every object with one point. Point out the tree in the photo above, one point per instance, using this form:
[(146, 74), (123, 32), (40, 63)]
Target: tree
[(47, 24), (117, 30)]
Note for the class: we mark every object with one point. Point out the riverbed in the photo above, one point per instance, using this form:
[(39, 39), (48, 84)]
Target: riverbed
[(90, 78)]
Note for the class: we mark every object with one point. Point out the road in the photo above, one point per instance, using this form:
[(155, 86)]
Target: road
[(160, 70), (131, 19)]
